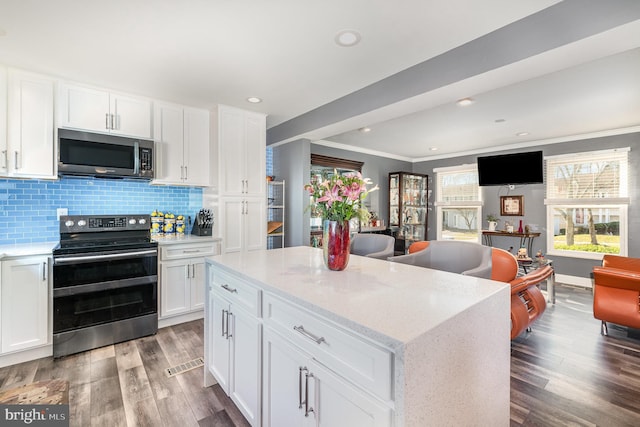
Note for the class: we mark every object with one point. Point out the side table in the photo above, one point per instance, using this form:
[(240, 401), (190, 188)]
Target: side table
[(524, 266)]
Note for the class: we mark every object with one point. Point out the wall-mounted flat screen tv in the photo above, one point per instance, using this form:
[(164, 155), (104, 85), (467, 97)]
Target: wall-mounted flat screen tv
[(511, 169)]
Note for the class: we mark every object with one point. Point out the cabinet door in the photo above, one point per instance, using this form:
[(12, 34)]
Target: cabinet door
[(255, 155), (84, 108), (246, 360), (255, 224), (175, 289), (197, 284), (131, 116), (232, 151), (220, 351), (25, 308), (337, 402), (196, 147), (232, 227), (169, 138), (4, 155), (30, 125), (282, 382)]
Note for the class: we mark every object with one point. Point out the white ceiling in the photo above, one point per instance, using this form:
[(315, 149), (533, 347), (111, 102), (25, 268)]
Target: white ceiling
[(208, 52)]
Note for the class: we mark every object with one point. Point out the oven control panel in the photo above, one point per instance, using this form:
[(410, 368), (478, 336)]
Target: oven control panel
[(97, 223)]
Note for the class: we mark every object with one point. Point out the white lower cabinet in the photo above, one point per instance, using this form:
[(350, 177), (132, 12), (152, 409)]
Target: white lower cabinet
[(24, 296), (233, 342), (298, 391), (182, 277)]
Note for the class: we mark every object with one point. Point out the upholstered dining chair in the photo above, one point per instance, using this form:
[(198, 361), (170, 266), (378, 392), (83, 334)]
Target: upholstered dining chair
[(616, 292), (372, 245)]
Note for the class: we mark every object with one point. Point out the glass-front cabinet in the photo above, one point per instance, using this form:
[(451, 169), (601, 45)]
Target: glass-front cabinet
[(408, 193)]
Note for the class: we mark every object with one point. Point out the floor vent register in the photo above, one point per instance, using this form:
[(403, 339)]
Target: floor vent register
[(184, 367)]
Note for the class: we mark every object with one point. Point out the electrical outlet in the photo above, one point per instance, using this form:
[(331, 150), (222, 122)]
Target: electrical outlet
[(61, 211)]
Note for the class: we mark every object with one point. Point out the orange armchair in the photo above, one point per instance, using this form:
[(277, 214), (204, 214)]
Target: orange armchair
[(527, 301), (616, 292)]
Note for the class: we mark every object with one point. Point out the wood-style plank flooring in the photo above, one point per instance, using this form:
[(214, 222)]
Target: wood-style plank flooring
[(125, 384), (563, 373)]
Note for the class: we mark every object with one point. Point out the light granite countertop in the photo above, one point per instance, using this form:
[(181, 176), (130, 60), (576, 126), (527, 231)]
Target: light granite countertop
[(27, 249), (175, 239), (391, 302)]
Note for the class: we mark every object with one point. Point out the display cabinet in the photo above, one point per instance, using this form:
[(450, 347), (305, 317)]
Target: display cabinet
[(408, 194)]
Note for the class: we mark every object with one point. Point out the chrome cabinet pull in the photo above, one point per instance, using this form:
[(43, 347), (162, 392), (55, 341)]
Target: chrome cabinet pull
[(246, 211), (106, 120), (307, 409), (300, 401), (190, 251), (186, 173), (229, 317), (111, 117), (6, 159), (187, 270), (222, 322), (309, 335), (229, 289), (193, 271), (15, 159), (44, 271), (182, 172)]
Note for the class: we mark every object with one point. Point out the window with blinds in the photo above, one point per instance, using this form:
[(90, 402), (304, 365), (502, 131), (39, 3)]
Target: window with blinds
[(587, 199), (458, 203)]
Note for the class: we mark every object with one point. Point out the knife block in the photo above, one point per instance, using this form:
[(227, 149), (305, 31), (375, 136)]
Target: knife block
[(198, 230)]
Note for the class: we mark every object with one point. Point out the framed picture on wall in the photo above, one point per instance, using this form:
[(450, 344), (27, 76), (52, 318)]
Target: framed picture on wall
[(512, 205)]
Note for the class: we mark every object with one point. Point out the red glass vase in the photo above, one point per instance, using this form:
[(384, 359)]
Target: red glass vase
[(335, 244)]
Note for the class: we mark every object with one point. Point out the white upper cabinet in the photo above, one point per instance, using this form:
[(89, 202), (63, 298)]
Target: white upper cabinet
[(99, 110), (182, 145), (3, 117), (242, 148), (29, 149)]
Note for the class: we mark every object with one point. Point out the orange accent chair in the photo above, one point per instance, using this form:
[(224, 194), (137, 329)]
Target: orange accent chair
[(616, 292), (527, 301)]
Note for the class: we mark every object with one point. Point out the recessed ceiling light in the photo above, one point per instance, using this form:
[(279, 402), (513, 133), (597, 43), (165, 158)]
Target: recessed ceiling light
[(365, 129), (464, 102), (254, 100), (347, 38), (433, 148), (522, 133)]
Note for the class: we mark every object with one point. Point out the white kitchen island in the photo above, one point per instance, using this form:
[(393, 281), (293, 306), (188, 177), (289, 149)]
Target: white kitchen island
[(379, 344)]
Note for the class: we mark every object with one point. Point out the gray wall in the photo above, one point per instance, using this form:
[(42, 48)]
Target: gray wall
[(292, 162), (534, 209)]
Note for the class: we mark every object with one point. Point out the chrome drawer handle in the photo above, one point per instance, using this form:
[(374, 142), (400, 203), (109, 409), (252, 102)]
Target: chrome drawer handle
[(309, 335), (307, 409), (229, 289)]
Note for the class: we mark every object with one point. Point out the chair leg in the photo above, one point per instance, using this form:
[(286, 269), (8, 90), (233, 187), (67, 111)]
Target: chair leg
[(603, 329)]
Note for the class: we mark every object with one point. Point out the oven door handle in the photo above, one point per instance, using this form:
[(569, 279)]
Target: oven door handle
[(104, 286), (89, 258)]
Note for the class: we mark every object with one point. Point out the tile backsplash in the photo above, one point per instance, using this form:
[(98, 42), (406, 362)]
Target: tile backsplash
[(28, 207)]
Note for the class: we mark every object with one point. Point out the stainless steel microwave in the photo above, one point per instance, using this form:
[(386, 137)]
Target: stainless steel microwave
[(92, 154)]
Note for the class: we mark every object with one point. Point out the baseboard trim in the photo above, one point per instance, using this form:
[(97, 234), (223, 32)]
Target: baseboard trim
[(182, 318), (584, 282)]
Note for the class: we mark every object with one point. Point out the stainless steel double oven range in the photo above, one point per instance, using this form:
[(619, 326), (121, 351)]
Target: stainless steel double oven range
[(105, 282)]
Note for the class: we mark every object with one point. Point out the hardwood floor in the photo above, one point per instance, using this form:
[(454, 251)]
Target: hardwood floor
[(562, 373), (125, 384), (565, 373)]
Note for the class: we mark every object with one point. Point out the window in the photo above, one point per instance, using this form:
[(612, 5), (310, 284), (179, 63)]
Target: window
[(587, 200), (458, 204)]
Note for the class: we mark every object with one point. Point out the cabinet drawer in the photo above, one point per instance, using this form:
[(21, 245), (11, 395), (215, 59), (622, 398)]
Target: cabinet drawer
[(237, 291), (190, 250), (347, 354)]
